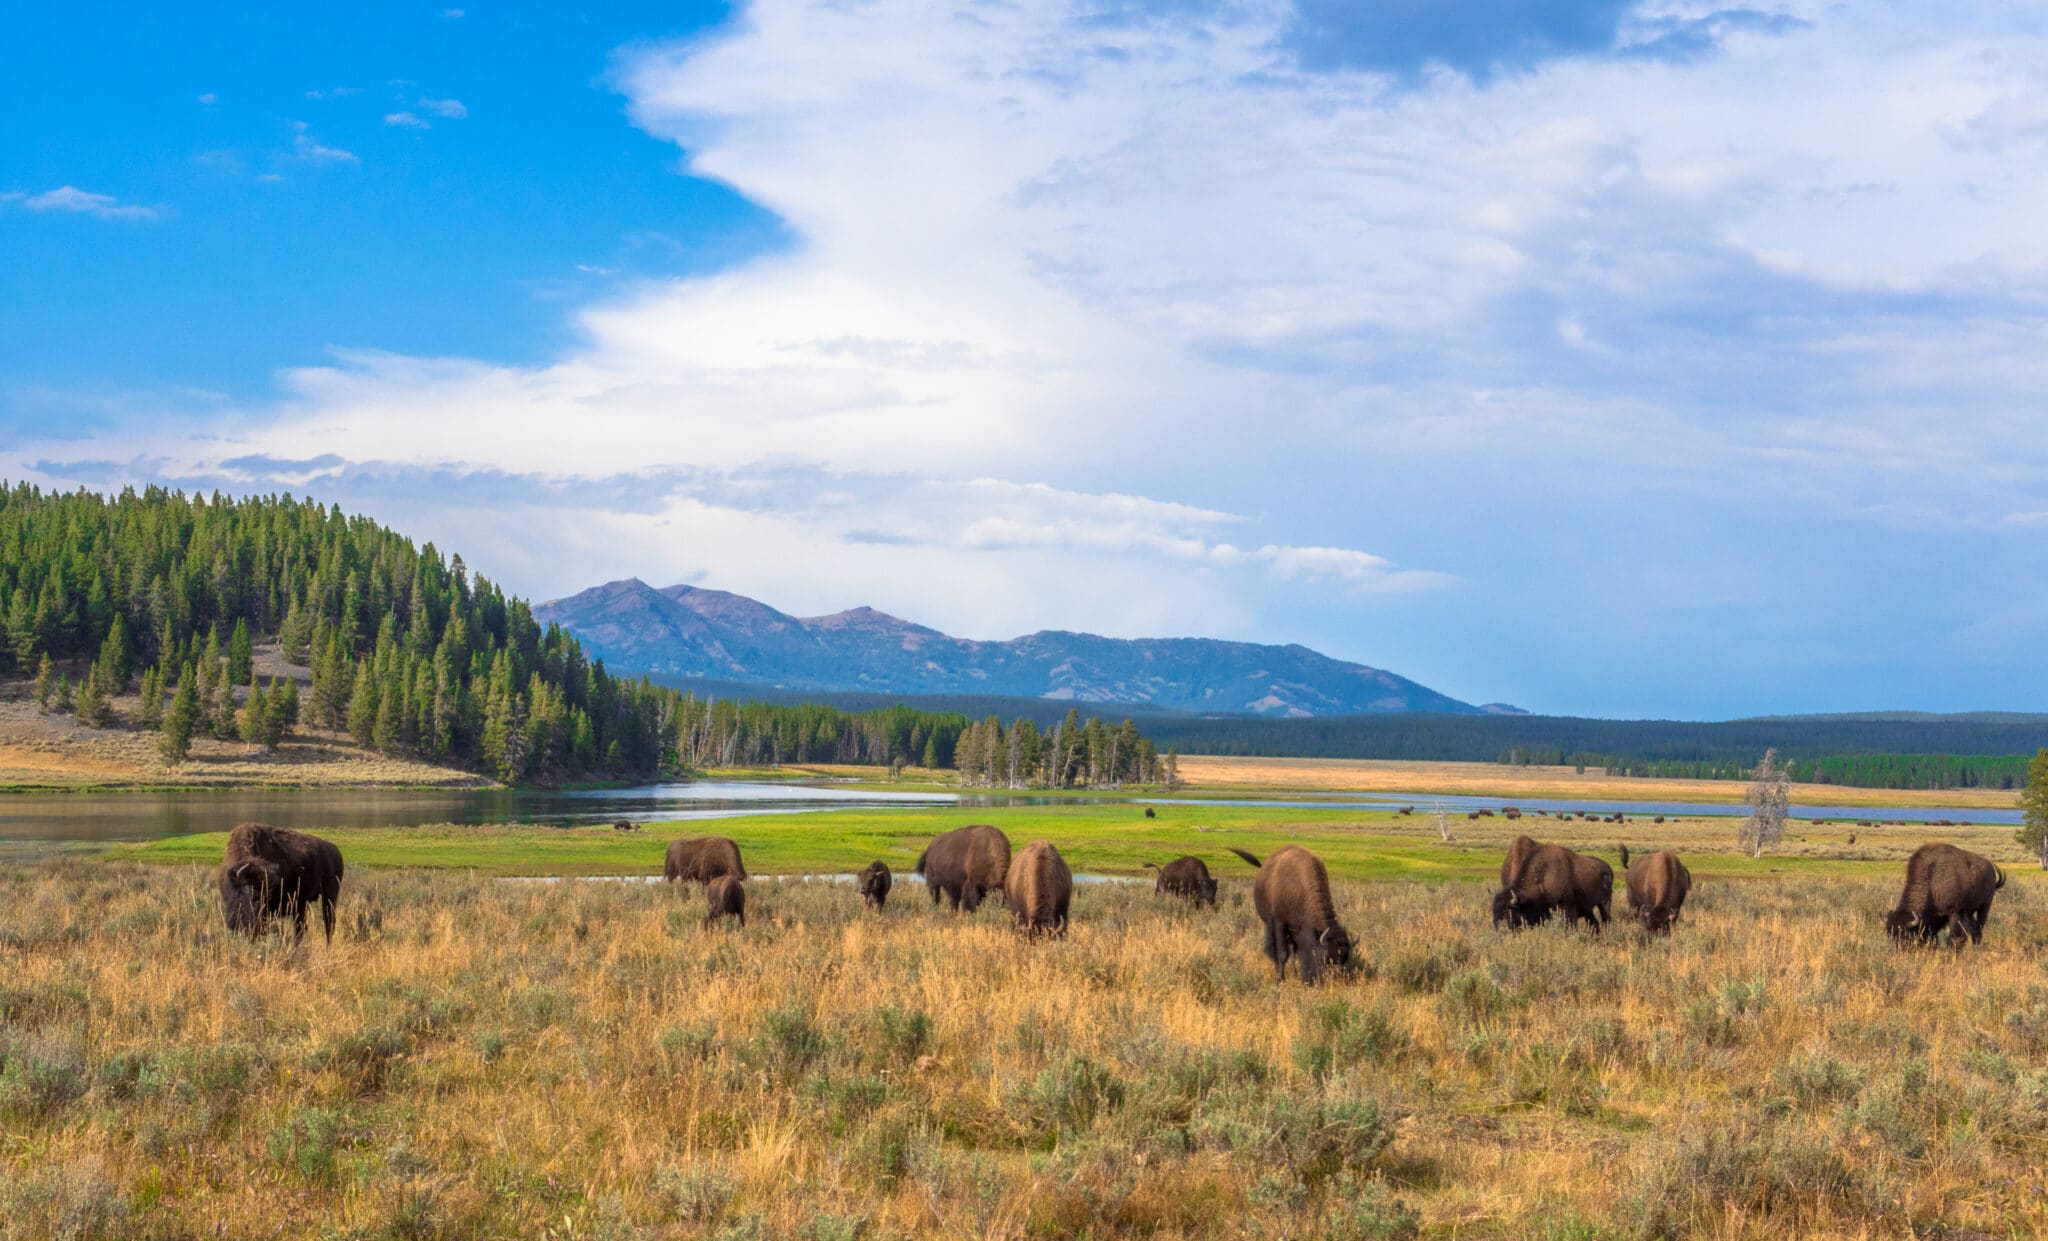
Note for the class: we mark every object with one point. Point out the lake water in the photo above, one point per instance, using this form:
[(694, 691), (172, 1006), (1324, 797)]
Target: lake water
[(44, 819)]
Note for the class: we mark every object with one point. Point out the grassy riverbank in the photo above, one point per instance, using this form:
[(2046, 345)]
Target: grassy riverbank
[(585, 1060), (1105, 839)]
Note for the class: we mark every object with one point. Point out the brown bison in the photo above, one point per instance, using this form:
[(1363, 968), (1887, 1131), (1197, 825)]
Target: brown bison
[(1292, 897), (625, 825), (874, 884), (727, 897), (1185, 876), (1038, 887), (701, 860), (1657, 885), (965, 864), (1945, 887), (1537, 880), (1150, 813), (275, 870)]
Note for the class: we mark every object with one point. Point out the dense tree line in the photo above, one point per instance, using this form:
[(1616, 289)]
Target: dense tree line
[(169, 594), (408, 651)]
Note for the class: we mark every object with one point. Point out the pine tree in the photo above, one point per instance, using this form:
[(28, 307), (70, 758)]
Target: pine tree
[(151, 713), (222, 714), (179, 722), (362, 705), (280, 708), (255, 722), (23, 635), (2033, 831), (92, 700), (117, 662), (67, 694), (241, 654), (294, 636), (46, 683)]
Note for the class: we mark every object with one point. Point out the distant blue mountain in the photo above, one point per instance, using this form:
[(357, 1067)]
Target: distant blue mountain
[(684, 631)]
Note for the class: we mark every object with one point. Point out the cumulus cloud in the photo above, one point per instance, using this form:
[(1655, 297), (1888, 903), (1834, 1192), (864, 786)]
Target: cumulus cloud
[(452, 109), (310, 150)]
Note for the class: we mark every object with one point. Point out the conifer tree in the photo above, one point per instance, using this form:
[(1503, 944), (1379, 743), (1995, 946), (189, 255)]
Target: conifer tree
[(362, 706), (180, 721), (92, 700), (117, 662), (151, 712), (67, 694), (46, 683), (241, 654), (255, 721), (281, 711), (222, 712)]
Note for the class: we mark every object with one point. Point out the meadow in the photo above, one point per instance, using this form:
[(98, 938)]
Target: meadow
[(475, 1057)]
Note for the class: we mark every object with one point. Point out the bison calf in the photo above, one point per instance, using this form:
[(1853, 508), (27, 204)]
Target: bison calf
[(1188, 877), (1657, 885), (874, 884), (1038, 888), (965, 864), (277, 871), (727, 898), (1292, 897), (1537, 880), (1945, 887)]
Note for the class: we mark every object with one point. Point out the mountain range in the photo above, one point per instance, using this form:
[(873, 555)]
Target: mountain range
[(690, 632)]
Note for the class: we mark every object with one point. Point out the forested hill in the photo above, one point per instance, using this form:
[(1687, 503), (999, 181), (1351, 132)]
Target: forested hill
[(408, 650)]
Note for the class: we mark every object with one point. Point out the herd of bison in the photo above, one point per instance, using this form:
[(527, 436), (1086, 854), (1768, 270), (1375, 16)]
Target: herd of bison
[(277, 872)]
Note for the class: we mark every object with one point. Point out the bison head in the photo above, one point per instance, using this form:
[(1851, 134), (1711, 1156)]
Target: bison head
[(1208, 896), (1335, 943), (1899, 924), (1503, 908), (246, 890)]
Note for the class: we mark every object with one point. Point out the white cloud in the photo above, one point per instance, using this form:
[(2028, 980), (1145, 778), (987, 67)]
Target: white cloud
[(452, 109), (308, 149), (69, 198), (405, 120), (209, 99)]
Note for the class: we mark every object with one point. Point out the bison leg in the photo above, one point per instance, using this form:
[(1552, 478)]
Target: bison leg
[(1275, 951), (970, 896), (1960, 931), (1310, 954)]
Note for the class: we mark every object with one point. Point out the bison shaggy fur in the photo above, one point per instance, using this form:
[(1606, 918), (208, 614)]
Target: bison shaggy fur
[(701, 860), (1038, 888), (965, 864), (874, 884), (1657, 886), (1292, 896), (726, 897), (1186, 876), (1538, 880), (1945, 887), (277, 871)]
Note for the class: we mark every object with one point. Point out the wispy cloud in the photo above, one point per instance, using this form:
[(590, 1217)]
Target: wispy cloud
[(308, 149), (452, 109), (209, 99), (405, 120), (71, 199)]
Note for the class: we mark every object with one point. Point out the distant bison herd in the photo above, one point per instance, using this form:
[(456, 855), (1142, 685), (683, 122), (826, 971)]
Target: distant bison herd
[(277, 873)]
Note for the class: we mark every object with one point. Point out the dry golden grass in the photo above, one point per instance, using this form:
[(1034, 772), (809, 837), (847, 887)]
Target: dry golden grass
[(1496, 779), (484, 1058)]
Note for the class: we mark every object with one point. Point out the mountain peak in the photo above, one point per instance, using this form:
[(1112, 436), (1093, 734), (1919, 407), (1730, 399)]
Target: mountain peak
[(693, 631)]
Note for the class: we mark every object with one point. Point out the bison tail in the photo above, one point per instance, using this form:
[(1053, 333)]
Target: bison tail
[(919, 868), (2001, 878), (1246, 856), (1152, 866), (1624, 857)]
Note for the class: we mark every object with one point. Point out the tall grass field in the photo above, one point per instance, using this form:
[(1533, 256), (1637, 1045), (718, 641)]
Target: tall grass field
[(482, 1057)]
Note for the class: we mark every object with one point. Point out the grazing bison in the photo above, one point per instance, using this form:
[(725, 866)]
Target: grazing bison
[(1150, 813), (1038, 887), (1537, 880), (727, 897), (1945, 887), (1657, 885), (965, 864), (275, 870), (1186, 876), (874, 884), (701, 860), (1852, 838), (1292, 897), (1511, 813), (625, 825)]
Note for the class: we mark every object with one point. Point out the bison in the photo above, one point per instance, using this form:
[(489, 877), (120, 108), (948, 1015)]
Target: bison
[(874, 884), (701, 860), (1657, 885), (1150, 813), (625, 825), (275, 870), (1537, 880), (1292, 897), (1185, 876), (965, 864), (1945, 887), (1038, 887), (727, 897)]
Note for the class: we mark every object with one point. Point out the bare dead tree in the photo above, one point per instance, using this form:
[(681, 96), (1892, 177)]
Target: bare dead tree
[(1770, 802)]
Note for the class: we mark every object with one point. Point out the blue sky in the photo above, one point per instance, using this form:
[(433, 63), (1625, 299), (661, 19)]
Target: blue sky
[(1616, 358)]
